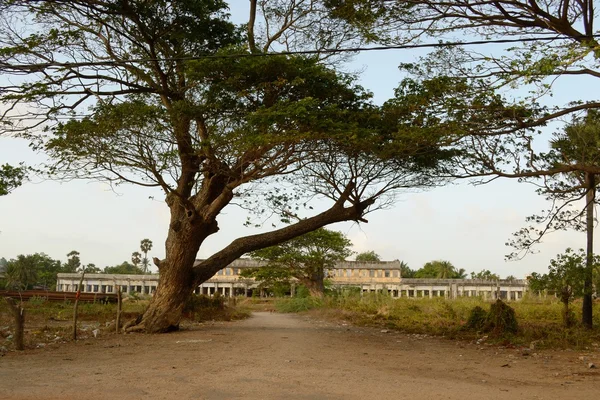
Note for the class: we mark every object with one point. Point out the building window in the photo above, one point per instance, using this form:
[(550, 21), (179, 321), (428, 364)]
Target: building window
[(396, 273), (372, 273), (96, 288), (379, 273), (236, 271), (109, 289), (387, 273), (124, 288), (348, 273), (88, 288), (227, 271), (138, 289)]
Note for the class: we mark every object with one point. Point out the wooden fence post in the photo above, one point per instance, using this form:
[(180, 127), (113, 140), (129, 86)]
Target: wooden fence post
[(19, 315), (76, 304)]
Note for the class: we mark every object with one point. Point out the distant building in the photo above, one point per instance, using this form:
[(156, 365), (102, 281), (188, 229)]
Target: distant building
[(366, 277)]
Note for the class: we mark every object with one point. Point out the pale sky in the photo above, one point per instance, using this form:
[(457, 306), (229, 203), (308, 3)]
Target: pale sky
[(465, 225)]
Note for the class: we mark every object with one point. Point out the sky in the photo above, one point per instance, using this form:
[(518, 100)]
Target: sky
[(461, 223)]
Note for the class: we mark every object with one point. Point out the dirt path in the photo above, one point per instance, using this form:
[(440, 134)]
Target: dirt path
[(279, 356)]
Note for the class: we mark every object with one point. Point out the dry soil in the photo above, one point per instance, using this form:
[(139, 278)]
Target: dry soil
[(280, 356)]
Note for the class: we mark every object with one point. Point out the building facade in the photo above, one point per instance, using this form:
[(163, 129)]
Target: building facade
[(366, 277)]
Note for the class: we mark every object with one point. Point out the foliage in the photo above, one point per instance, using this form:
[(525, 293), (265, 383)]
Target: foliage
[(477, 319), (368, 256), (207, 124), (270, 276), (439, 270), (21, 273), (27, 271), (306, 257), (485, 275), (124, 268), (565, 278), (136, 258), (73, 262), (297, 304), (405, 271), (501, 319), (11, 178)]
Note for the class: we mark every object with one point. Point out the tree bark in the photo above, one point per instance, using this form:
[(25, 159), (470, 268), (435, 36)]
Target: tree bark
[(175, 286), (589, 263), (314, 283)]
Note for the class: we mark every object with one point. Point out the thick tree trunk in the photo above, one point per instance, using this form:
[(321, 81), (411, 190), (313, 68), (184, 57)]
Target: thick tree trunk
[(589, 264), (174, 289)]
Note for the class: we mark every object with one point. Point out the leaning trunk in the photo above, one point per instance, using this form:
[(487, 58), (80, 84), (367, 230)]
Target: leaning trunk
[(174, 288), (176, 278), (589, 264)]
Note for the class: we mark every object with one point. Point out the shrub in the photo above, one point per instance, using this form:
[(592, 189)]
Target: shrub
[(501, 319), (477, 319)]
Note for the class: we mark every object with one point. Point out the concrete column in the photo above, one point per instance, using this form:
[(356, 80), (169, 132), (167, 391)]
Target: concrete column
[(231, 290), (431, 292)]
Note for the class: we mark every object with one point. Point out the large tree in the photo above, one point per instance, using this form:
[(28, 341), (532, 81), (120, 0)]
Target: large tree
[(172, 95), (307, 257), (552, 41)]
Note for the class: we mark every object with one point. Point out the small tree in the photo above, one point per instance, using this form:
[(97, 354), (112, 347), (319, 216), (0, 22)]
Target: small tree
[(145, 246), (565, 278), (368, 256), (306, 257)]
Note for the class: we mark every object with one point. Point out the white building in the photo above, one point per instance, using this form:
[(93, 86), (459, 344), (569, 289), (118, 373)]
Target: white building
[(368, 277)]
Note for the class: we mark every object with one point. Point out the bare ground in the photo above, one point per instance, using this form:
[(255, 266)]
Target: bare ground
[(280, 356)]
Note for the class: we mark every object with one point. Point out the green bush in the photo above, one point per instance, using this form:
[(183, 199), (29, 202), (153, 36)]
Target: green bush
[(297, 304)]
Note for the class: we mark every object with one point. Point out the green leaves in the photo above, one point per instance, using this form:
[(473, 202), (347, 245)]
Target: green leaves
[(11, 178)]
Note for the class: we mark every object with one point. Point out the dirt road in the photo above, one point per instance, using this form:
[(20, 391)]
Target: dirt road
[(279, 356)]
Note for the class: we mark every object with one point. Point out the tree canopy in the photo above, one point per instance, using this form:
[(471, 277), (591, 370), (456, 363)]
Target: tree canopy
[(173, 95), (439, 269), (368, 256)]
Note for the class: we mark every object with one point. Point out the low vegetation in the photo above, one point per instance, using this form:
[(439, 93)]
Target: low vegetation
[(536, 319), (50, 323)]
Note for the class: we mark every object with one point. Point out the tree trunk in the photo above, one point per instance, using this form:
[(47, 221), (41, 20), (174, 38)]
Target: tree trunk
[(589, 264), (177, 280), (314, 284), (175, 286)]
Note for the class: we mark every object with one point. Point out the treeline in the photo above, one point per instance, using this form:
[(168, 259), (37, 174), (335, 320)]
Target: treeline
[(40, 271)]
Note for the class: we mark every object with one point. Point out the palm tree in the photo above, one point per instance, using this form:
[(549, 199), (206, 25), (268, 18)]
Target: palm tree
[(146, 246)]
